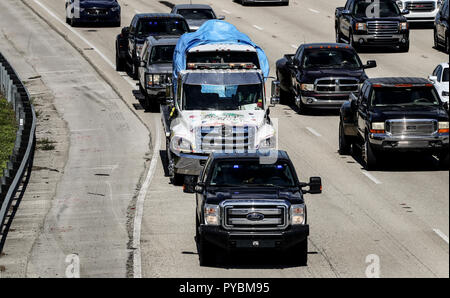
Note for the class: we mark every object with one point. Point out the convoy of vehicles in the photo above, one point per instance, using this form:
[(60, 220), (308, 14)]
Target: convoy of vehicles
[(439, 78), (93, 11), (366, 23), (243, 203), (130, 42), (395, 115), (155, 70), (220, 140), (321, 75), (196, 14), (441, 28)]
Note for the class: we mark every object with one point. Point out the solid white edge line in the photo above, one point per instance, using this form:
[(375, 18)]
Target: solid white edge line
[(371, 177), (137, 260), (294, 46), (442, 235), (313, 10), (313, 131)]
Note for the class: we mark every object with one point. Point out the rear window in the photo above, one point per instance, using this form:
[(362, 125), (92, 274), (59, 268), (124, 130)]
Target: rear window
[(196, 14), (148, 27)]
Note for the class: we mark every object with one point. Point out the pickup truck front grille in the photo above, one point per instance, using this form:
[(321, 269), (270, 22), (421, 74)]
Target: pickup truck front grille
[(403, 127), (336, 85), (226, 138), (255, 215), (382, 28), (425, 6)]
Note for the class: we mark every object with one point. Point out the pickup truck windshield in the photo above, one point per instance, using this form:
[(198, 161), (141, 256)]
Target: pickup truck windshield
[(223, 57), (148, 27), (223, 97), (331, 58), (370, 9), (417, 96), (161, 54), (251, 174), (196, 14)]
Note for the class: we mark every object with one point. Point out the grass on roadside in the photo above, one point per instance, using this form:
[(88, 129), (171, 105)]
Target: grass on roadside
[(8, 129), (46, 144)]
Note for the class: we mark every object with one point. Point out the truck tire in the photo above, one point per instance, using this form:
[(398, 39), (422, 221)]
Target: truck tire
[(436, 40), (404, 48), (447, 45), (206, 252), (444, 160), (368, 155), (338, 35), (353, 43), (285, 97), (298, 254), (345, 145), (120, 63), (134, 70)]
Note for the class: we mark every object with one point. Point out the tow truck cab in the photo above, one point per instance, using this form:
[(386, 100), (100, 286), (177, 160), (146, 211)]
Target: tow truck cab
[(252, 201)]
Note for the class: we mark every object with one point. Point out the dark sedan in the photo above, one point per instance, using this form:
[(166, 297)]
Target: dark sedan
[(92, 11)]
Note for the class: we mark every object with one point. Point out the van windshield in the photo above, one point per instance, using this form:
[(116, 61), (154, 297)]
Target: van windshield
[(223, 97)]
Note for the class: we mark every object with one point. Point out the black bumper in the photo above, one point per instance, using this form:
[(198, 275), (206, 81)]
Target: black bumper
[(236, 240)]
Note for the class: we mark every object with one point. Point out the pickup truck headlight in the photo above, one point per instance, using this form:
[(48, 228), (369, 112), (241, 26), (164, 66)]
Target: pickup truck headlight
[(403, 26), (307, 87), (378, 127), (361, 27), (268, 143), (298, 214), (443, 127), (212, 215), (181, 144)]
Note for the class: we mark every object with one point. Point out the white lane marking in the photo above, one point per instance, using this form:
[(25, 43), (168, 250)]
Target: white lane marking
[(137, 260), (313, 131), (313, 10), (294, 46), (441, 234), (257, 27), (137, 267), (226, 11), (80, 36), (137, 11), (371, 177)]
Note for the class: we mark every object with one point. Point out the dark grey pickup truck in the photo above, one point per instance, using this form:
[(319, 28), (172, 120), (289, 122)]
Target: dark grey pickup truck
[(155, 69)]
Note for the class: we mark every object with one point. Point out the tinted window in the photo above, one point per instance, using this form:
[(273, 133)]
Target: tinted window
[(197, 14), (445, 75), (252, 174), (331, 58), (147, 27), (425, 96), (386, 8), (162, 54)]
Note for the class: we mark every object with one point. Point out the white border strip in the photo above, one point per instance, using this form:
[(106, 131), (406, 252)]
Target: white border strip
[(441, 234), (371, 177)]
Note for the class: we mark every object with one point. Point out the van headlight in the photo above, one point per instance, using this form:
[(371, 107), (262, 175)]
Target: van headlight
[(298, 214), (212, 215)]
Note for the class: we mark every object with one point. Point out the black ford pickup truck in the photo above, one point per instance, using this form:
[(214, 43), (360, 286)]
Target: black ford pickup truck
[(395, 114), (252, 201), (372, 23), (321, 75), (130, 41)]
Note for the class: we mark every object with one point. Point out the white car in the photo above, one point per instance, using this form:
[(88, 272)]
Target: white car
[(420, 11), (440, 80)]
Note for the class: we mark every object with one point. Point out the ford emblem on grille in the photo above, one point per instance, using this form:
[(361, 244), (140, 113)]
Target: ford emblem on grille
[(255, 216)]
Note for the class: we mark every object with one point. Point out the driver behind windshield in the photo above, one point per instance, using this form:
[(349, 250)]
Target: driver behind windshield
[(331, 58)]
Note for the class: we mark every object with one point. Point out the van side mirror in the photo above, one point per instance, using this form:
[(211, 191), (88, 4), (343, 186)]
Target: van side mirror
[(275, 98), (315, 185)]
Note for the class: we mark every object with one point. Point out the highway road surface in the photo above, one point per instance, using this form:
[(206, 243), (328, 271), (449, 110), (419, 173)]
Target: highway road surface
[(398, 215)]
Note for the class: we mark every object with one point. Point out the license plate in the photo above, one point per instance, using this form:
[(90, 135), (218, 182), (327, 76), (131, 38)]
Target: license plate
[(255, 244)]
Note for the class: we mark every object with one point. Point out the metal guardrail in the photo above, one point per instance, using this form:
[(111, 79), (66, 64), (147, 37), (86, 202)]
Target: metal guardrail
[(13, 182)]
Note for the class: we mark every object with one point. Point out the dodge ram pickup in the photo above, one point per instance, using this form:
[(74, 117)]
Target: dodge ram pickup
[(320, 75), (130, 42), (395, 114), (372, 23), (244, 203)]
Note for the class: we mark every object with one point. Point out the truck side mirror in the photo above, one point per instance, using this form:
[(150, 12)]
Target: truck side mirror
[(200, 188), (433, 78), (370, 64), (221, 18), (315, 185), (353, 100), (125, 30), (346, 12), (405, 12), (143, 64), (275, 99), (169, 94), (446, 105)]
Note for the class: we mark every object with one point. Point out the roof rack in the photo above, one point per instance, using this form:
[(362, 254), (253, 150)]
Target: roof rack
[(221, 66)]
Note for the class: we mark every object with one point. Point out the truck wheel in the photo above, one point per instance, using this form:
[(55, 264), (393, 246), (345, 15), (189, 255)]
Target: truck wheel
[(302, 108), (447, 45), (298, 254), (120, 63), (353, 43), (134, 71), (285, 97), (436, 40), (404, 48), (344, 143), (338, 35), (368, 155), (206, 252)]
